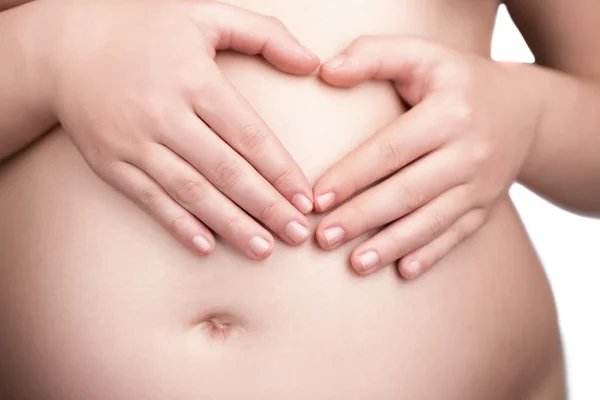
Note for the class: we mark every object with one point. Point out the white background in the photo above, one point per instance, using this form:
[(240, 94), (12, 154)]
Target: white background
[(569, 247)]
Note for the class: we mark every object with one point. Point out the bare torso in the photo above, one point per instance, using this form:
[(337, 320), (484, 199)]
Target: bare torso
[(98, 302)]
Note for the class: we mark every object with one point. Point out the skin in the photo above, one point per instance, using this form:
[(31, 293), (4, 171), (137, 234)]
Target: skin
[(564, 39), (551, 121), (98, 301), (6, 4), (448, 173), (139, 130), (436, 217)]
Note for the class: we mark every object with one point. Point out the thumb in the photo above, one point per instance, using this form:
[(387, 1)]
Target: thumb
[(411, 63), (230, 27)]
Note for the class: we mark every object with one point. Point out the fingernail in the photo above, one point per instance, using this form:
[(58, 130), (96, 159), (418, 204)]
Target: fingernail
[(296, 232), (414, 269), (368, 260), (201, 243), (334, 236), (336, 62), (325, 201), (259, 246), (302, 203)]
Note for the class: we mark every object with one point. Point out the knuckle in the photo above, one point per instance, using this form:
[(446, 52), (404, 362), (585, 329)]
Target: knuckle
[(252, 140), (108, 168), (190, 193), (268, 212), (181, 76), (283, 178), (155, 115), (409, 196), (469, 224), (205, 85), (480, 153), (191, 85), (147, 200), (232, 227), (177, 225), (462, 233), (225, 175), (142, 152), (151, 106), (478, 196), (476, 220), (398, 243), (390, 156), (97, 156), (437, 225), (459, 113)]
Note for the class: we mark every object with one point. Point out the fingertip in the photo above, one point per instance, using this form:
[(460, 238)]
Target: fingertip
[(411, 269), (321, 240), (325, 201), (296, 60), (297, 232), (306, 64), (366, 262), (260, 247), (313, 60), (332, 77), (340, 71), (306, 54), (335, 63), (203, 244), (303, 203), (329, 235)]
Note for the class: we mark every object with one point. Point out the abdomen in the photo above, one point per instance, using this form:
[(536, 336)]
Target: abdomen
[(97, 302)]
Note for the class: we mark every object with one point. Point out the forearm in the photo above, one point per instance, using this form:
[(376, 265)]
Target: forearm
[(25, 111), (564, 163)]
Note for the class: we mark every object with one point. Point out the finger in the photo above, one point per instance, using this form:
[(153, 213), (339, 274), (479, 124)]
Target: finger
[(233, 119), (236, 179), (392, 199), (398, 144), (197, 195), (251, 33), (232, 177), (149, 196), (420, 261), (412, 232), (411, 62)]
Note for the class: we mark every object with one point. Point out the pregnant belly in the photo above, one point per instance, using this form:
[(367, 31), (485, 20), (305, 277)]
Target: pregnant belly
[(97, 302)]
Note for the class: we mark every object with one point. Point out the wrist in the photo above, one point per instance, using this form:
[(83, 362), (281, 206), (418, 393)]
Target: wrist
[(530, 90)]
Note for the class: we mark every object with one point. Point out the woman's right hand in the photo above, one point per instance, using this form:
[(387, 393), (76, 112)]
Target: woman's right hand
[(136, 87)]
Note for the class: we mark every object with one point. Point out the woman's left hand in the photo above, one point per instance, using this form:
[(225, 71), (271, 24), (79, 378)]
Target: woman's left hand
[(440, 168)]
